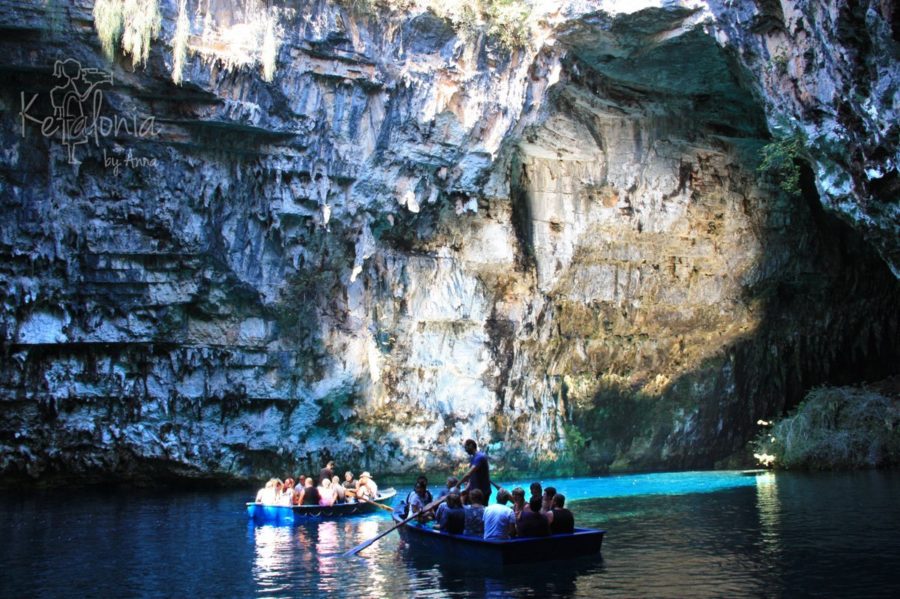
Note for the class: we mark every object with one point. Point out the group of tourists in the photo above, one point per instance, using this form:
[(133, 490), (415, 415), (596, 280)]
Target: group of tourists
[(467, 511), (325, 491), (462, 507)]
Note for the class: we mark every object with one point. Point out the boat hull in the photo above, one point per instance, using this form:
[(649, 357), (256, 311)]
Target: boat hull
[(282, 514), (423, 540)]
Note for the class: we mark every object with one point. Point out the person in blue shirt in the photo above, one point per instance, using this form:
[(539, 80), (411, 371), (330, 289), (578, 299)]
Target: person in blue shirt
[(499, 518), (452, 518), (474, 525), (479, 475)]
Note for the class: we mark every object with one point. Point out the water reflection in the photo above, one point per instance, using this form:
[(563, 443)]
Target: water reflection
[(307, 558), (375, 573), (769, 509), (273, 556)]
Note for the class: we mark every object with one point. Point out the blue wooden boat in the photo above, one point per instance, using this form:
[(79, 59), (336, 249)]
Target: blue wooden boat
[(283, 514), (422, 539)]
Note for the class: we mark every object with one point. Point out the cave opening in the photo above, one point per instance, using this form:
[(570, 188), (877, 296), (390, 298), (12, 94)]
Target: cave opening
[(690, 296)]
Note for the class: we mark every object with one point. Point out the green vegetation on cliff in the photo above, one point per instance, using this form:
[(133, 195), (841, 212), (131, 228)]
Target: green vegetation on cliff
[(835, 428), (780, 162)]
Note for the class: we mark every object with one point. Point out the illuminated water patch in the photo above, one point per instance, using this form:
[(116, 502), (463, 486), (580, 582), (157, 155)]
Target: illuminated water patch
[(629, 485)]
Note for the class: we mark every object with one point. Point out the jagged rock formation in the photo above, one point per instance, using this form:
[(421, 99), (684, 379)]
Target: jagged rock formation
[(412, 236)]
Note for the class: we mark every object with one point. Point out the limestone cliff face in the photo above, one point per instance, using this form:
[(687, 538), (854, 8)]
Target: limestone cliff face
[(414, 234)]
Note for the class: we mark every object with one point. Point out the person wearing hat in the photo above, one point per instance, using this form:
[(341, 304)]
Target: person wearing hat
[(366, 489)]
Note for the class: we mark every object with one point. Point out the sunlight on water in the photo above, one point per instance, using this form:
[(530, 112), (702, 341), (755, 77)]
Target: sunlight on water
[(670, 483), (769, 508), (273, 555)]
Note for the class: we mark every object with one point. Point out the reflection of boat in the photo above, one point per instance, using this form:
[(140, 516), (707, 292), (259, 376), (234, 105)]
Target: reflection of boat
[(422, 539), (283, 514), (463, 578)]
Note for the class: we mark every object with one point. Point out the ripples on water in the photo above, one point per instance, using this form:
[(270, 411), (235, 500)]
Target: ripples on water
[(672, 535)]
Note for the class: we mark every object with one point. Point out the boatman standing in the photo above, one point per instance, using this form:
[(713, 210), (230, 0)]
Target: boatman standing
[(479, 475)]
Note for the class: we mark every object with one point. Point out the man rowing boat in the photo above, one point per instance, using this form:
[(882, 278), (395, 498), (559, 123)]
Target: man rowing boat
[(479, 475)]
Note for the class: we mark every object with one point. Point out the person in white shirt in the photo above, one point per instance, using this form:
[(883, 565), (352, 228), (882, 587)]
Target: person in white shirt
[(418, 502), (327, 496), (366, 489), (340, 492), (269, 494), (286, 497), (499, 518)]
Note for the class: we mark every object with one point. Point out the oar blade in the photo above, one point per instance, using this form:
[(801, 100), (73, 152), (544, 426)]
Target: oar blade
[(362, 546)]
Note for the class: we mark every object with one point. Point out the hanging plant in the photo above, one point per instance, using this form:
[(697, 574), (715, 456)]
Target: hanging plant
[(131, 24)]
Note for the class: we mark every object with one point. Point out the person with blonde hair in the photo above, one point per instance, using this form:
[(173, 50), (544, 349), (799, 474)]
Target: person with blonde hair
[(326, 493), (268, 495), (340, 492)]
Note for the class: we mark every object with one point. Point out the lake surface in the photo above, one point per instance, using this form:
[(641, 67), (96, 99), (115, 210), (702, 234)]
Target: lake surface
[(700, 534)]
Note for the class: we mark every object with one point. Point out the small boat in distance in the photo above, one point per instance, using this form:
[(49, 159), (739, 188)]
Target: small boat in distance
[(425, 540), (283, 514)]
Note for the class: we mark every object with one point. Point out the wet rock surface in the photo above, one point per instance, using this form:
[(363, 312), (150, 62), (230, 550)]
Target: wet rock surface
[(413, 236)]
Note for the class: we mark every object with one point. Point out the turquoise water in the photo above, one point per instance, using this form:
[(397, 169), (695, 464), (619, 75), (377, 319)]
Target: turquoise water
[(666, 483), (707, 534)]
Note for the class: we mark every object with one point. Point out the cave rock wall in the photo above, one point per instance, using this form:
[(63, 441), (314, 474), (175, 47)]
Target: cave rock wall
[(413, 235)]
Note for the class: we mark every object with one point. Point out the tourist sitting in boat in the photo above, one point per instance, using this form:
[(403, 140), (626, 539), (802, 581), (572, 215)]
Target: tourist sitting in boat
[(452, 487), (340, 492), (532, 523), (475, 514), (286, 497), (310, 492), (547, 500), (499, 518), (327, 495), (536, 491), (414, 496), (451, 516), (269, 494), (350, 484), (299, 490), (518, 500), (561, 520), (424, 480), (417, 501), (366, 488)]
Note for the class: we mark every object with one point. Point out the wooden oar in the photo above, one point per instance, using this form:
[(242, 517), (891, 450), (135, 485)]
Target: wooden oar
[(386, 508), (362, 546)]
